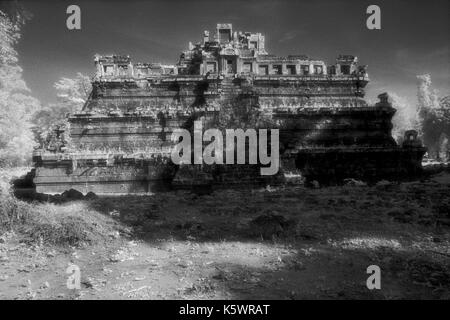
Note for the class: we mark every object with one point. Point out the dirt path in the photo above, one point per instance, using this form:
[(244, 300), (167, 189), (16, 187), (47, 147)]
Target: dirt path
[(210, 247)]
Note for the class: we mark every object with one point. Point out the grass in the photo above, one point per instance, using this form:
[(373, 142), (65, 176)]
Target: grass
[(72, 223), (284, 242)]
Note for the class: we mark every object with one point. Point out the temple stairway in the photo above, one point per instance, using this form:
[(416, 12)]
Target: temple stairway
[(229, 88)]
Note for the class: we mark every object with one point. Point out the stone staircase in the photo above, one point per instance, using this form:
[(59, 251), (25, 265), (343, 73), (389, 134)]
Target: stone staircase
[(229, 88)]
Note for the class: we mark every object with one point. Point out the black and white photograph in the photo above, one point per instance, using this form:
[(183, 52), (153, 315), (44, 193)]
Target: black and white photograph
[(237, 151)]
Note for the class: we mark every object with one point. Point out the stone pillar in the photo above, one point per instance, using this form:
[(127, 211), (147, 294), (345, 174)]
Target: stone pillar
[(222, 65), (203, 67), (100, 71), (99, 66), (131, 70), (338, 69)]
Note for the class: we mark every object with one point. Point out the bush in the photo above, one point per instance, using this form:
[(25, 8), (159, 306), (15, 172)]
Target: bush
[(12, 211), (73, 223)]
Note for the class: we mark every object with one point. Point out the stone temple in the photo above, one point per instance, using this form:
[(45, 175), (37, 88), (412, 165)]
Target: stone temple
[(120, 142)]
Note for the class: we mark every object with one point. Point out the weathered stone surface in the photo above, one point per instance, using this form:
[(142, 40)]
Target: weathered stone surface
[(121, 141)]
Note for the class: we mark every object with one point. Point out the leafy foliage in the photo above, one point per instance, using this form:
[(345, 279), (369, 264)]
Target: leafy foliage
[(16, 103), (434, 118), (405, 118), (72, 93)]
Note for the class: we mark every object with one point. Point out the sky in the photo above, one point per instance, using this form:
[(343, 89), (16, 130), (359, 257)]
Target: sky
[(414, 36)]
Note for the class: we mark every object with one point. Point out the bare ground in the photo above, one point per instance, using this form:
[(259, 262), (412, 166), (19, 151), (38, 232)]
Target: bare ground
[(306, 244)]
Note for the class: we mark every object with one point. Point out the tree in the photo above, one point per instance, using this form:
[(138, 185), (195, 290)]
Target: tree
[(16, 103), (433, 117), (71, 95), (405, 118)]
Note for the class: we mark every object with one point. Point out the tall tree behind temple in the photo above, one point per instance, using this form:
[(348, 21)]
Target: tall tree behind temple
[(16, 103), (434, 119), (71, 94), (427, 97), (405, 117)]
